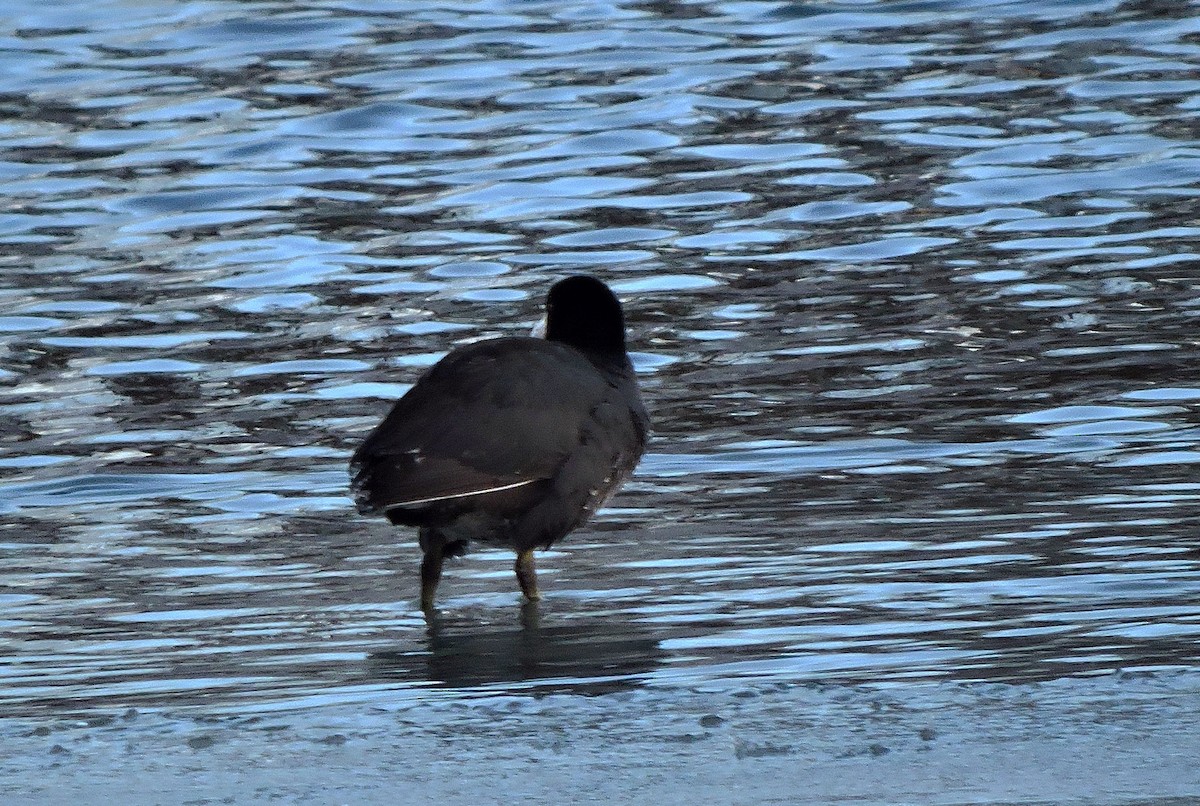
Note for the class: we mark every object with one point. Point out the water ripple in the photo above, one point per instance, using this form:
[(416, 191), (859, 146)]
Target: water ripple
[(909, 287)]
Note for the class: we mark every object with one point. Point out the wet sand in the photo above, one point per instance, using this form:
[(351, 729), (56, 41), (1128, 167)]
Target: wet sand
[(1121, 739)]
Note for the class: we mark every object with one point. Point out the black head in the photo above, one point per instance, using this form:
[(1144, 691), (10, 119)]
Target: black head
[(582, 312)]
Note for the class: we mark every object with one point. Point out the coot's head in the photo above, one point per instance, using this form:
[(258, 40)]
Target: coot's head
[(582, 312)]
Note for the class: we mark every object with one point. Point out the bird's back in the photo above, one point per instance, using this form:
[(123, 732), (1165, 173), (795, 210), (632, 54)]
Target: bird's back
[(530, 433)]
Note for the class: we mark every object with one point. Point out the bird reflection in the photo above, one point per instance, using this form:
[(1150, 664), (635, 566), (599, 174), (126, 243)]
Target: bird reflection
[(589, 658)]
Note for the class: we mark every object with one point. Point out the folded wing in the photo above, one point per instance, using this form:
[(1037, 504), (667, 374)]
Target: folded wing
[(505, 417)]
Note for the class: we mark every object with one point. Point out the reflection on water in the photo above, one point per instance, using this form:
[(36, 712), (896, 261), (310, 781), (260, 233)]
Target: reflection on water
[(911, 289), (592, 658)]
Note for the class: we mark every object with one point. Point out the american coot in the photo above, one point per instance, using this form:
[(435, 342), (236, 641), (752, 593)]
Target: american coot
[(512, 441)]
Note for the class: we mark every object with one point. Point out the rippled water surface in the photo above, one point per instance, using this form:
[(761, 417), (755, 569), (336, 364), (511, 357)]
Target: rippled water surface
[(914, 291)]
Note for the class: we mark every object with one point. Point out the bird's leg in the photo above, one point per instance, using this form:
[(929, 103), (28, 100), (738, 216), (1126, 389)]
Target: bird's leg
[(527, 575), (431, 572)]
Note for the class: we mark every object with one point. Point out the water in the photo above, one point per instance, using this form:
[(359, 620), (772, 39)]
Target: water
[(912, 289)]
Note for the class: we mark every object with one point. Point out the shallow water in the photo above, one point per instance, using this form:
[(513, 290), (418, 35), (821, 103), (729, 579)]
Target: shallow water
[(912, 289)]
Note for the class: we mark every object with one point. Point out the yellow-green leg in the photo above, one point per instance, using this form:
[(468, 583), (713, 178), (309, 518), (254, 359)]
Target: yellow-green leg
[(431, 573), (527, 575)]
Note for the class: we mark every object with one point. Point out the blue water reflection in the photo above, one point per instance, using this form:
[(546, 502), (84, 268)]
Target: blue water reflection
[(909, 286)]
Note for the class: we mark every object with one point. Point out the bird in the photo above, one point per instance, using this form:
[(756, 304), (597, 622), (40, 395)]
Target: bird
[(511, 441)]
